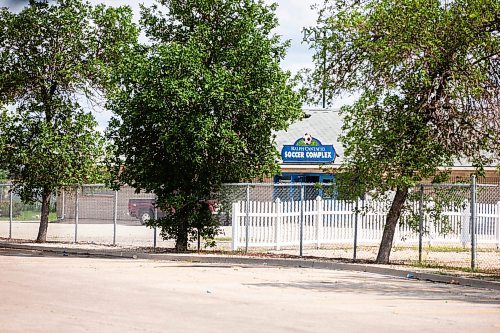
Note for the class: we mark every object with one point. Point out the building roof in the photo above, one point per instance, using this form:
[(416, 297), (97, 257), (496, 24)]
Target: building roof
[(326, 126), (323, 124)]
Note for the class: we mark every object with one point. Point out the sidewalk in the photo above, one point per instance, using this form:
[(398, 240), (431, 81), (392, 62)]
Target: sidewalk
[(399, 271)]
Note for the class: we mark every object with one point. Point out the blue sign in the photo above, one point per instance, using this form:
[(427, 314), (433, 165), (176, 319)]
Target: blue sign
[(308, 150)]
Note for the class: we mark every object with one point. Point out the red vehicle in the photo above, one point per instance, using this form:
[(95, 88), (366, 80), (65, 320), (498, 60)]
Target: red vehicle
[(144, 209)]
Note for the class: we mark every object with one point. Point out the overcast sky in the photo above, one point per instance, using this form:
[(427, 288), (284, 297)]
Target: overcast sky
[(293, 15)]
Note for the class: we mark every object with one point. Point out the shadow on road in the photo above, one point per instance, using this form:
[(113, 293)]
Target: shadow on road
[(392, 286)]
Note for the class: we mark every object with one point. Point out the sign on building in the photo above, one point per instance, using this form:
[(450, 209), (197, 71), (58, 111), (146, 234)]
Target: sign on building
[(308, 150)]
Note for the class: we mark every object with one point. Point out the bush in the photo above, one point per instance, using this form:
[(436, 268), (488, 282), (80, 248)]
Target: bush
[(17, 208)]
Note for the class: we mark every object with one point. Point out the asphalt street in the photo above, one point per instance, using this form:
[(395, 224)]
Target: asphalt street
[(65, 293)]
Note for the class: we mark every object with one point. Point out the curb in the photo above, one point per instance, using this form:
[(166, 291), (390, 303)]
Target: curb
[(241, 260)]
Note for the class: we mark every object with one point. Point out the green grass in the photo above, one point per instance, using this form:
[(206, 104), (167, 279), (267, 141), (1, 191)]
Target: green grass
[(440, 266), (443, 248), (492, 273), (223, 239), (30, 216)]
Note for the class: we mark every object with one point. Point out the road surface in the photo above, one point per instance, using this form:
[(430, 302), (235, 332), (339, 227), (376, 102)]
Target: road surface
[(41, 293)]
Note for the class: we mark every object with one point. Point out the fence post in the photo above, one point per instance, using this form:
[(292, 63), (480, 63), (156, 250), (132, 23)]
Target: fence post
[(154, 228), (76, 213), (247, 218), (498, 225), (465, 225), (356, 218), (301, 241), (319, 220), (363, 218), (63, 204), (115, 215), (11, 207), (235, 225), (277, 222), (473, 218), (420, 222)]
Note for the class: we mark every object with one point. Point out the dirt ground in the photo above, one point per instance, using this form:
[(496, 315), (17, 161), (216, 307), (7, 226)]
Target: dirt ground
[(73, 294)]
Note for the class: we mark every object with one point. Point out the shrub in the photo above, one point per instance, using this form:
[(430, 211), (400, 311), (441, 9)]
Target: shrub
[(17, 208)]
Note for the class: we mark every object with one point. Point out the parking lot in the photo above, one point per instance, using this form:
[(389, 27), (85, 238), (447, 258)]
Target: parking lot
[(76, 294)]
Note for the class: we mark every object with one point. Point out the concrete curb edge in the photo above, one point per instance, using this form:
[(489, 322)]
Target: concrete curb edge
[(241, 260)]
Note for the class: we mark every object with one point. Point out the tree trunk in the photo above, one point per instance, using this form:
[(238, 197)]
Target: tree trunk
[(44, 218), (391, 221), (181, 243)]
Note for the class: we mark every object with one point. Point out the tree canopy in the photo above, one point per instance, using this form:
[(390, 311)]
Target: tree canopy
[(427, 74), (51, 57), (198, 106)]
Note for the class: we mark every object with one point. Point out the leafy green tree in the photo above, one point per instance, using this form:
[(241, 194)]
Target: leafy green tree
[(3, 173), (427, 73), (198, 106), (51, 56)]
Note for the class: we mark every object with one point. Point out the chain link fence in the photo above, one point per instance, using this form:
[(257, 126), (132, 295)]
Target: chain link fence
[(435, 228), (15, 215), (84, 214), (290, 219)]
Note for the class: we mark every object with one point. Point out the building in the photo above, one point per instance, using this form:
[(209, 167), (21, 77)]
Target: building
[(307, 162)]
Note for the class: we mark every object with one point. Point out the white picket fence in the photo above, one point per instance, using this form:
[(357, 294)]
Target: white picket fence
[(277, 224)]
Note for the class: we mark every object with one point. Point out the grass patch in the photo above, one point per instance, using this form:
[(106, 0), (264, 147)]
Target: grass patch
[(30, 216), (444, 249), (440, 266), (493, 273), (223, 239)]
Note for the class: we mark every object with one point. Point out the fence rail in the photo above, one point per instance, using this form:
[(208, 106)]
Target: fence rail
[(332, 221)]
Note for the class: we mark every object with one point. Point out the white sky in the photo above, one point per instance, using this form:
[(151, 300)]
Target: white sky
[(293, 16)]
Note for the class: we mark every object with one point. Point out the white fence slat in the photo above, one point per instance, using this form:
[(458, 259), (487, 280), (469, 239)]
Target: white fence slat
[(328, 221), (497, 225), (235, 225), (319, 221)]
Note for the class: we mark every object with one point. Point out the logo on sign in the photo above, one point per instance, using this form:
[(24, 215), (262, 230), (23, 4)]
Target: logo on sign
[(308, 150)]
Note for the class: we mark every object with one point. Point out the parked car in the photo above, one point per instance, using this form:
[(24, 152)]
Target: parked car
[(144, 209)]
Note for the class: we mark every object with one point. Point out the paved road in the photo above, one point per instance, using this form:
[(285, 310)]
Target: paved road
[(74, 294)]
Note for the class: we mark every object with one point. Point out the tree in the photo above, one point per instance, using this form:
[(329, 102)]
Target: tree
[(198, 106), (427, 73), (3, 173), (51, 56), (3, 176)]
